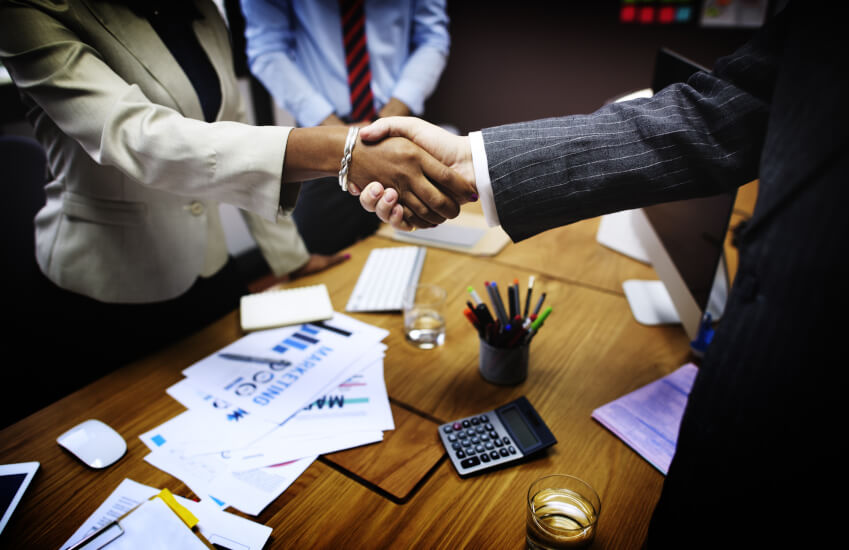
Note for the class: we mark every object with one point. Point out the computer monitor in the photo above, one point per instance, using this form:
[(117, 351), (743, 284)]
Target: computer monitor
[(684, 240)]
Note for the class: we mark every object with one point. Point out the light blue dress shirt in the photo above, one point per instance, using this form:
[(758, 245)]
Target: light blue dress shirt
[(295, 49)]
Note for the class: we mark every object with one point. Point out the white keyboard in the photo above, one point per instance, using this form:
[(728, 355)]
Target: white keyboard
[(387, 274)]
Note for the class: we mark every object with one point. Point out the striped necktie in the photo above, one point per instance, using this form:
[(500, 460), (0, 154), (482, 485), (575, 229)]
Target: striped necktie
[(357, 60)]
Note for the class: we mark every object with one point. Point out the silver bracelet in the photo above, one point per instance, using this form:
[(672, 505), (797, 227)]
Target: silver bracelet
[(350, 141)]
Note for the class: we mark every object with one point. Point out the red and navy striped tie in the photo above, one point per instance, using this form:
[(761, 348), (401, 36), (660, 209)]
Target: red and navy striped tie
[(357, 60)]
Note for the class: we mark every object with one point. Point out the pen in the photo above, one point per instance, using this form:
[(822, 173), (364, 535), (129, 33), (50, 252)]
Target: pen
[(539, 304), (528, 298), (517, 301), (511, 300), (249, 359), (492, 288)]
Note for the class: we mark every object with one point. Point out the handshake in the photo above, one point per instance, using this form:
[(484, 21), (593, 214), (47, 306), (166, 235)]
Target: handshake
[(430, 176)]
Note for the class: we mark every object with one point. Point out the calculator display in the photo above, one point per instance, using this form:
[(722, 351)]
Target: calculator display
[(516, 424)]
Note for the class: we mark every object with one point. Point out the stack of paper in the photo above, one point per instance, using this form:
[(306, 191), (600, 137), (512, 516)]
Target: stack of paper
[(262, 409), (219, 528)]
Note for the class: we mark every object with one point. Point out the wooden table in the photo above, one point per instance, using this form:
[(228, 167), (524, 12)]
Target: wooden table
[(403, 492)]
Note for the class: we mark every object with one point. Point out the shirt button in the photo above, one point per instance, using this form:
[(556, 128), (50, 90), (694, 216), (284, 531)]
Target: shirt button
[(197, 208)]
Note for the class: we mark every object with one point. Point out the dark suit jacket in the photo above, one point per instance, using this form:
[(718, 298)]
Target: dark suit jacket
[(756, 449)]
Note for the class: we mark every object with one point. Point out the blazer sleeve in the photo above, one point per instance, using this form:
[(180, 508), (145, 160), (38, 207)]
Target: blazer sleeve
[(118, 126), (689, 140)]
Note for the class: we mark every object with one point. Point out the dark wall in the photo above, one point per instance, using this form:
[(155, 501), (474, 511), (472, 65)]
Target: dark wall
[(514, 61)]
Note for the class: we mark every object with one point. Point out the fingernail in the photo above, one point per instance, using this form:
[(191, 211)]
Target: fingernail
[(347, 256), (474, 197), (375, 192)]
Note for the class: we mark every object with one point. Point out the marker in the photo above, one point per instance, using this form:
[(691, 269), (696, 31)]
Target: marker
[(511, 300), (535, 326), (528, 298), (539, 304), (480, 309), (473, 320)]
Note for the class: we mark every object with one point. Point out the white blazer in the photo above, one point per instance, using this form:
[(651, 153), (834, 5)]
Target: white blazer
[(135, 175)]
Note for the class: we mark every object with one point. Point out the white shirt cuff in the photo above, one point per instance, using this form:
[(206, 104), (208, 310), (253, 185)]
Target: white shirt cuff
[(482, 180)]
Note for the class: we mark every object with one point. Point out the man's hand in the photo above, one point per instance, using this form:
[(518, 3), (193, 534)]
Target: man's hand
[(429, 190), (453, 151)]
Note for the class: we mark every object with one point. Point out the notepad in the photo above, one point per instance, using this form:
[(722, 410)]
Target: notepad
[(289, 306), (648, 418)]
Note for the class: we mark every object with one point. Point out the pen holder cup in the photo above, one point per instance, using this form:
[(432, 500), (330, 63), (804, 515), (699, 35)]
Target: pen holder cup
[(504, 366)]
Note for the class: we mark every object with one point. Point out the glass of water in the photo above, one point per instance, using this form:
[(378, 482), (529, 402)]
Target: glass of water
[(424, 325), (561, 512)]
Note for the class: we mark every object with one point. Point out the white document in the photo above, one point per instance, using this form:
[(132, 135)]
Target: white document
[(277, 372), (208, 477), (203, 431), (271, 452), (359, 404), (216, 525)]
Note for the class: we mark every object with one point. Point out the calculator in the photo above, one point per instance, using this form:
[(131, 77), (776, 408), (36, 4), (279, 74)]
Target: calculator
[(496, 438)]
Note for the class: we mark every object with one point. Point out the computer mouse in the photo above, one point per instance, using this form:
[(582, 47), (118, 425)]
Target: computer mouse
[(96, 444)]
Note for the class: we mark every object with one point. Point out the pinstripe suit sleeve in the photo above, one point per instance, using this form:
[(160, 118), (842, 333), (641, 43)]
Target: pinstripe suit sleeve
[(691, 139)]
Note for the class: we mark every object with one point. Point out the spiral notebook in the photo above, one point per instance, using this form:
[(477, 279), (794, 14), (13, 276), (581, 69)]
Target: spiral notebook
[(288, 306)]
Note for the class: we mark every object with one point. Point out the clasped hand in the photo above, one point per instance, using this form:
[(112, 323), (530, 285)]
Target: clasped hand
[(428, 176)]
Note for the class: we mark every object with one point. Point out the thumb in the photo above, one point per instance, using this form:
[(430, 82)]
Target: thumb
[(377, 130)]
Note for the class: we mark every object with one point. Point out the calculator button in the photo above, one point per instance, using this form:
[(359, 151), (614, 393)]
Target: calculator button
[(475, 421), (479, 448), (506, 440), (480, 430), (461, 435), (456, 446), (484, 437), (494, 455), (447, 429), (503, 451), (498, 443), (470, 432), (476, 440), (452, 437), (484, 418), (470, 451), (493, 435), (469, 462), (466, 423), (489, 446), (511, 449), (488, 426), (485, 457), (456, 426), (461, 454), (466, 443)]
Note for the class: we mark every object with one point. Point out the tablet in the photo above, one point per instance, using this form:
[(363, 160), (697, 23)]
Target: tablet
[(14, 480)]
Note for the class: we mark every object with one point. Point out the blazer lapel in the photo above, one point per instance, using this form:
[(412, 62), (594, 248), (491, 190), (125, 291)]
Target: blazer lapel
[(138, 36)]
